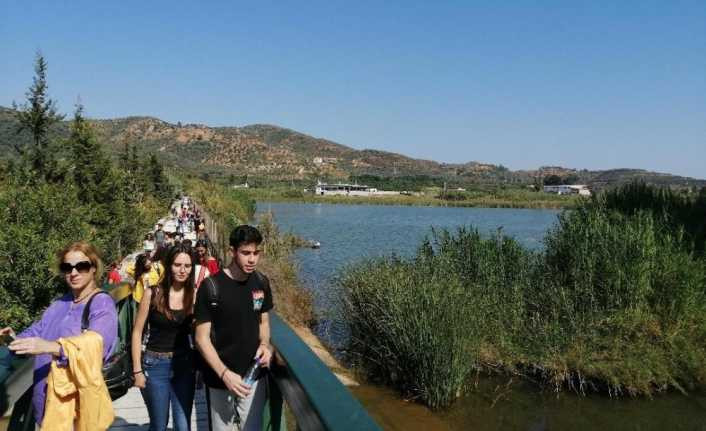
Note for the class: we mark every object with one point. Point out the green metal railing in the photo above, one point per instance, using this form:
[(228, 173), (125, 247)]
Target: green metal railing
[(316, 397)]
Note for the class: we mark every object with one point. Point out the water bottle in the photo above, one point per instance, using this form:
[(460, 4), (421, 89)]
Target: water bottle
[(251, 373)]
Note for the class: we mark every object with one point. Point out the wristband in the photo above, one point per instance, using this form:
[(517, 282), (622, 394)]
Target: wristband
[(137, 372), (223, 373)]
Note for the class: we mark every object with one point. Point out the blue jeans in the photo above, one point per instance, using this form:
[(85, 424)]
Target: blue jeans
[(170, 382)]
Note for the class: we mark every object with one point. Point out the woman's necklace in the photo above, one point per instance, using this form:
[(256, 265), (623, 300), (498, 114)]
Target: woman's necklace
[(82, 297)]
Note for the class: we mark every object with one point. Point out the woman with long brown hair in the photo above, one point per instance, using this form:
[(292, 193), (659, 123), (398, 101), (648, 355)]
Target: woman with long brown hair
[(165, 371)]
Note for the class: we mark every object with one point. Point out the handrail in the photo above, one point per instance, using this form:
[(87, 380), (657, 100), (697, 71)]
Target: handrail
[(317, 398), (15, 379)]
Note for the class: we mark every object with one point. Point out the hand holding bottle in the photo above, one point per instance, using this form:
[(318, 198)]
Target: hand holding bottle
[(252, 372)]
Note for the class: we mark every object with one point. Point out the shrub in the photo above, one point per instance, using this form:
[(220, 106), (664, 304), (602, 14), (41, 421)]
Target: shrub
[(36, 222), (616, 302)]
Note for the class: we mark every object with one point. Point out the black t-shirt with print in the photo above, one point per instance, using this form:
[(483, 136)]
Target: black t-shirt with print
[(235, 322)]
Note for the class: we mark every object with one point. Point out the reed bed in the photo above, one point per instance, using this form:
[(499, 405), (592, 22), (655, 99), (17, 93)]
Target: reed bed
[(615, 303)]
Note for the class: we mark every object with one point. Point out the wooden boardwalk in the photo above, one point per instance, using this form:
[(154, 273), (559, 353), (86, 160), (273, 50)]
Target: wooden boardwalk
[(131, 413)]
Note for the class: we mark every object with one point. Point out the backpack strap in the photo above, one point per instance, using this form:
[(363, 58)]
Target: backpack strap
[(213, 302), (87, 310), (212, 290), (260, 277)]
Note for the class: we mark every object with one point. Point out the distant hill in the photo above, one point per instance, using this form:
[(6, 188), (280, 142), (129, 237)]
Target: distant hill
[(279, 153)]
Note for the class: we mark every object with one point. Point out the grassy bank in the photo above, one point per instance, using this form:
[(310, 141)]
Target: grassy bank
[(485, 198), (616, 303), (294, 303)]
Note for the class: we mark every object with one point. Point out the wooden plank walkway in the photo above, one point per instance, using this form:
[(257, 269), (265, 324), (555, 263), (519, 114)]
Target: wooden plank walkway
[(131, 413)]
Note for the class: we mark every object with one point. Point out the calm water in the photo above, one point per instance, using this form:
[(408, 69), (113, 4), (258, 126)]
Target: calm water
[(349, 233), (352, 232)]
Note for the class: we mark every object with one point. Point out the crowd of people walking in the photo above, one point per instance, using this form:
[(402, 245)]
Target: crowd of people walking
[(192, 315)]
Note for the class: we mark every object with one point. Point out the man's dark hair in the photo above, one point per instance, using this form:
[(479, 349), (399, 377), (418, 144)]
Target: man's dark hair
[(245, 234)]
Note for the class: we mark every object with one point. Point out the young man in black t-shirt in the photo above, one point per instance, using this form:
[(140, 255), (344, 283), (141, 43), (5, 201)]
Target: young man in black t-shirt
[(241, 334)]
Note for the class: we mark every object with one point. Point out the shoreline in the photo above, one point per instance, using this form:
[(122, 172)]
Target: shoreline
[(419, 202)]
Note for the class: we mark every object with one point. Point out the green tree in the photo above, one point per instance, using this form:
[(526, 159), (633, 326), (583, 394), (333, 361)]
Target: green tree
[(134, 160), (96, 202), (158, 181), (37, 220), (125, 155), (553, 180), (571, 179), (37, 116), (92, 169)]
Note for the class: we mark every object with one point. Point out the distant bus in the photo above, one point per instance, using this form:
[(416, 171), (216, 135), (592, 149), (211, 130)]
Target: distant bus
[(566, 189), (323, 189)]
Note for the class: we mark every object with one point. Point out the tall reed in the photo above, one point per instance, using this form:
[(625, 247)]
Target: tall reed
[(615, 303)]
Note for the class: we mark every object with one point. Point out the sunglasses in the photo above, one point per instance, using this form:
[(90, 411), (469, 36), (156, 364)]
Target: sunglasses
[(82, 267)]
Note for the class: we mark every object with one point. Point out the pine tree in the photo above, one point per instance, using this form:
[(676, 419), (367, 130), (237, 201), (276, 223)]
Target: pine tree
[(37, 116), (125, 155), (158, 181), (92, 169), (134, 160), (104, 190)]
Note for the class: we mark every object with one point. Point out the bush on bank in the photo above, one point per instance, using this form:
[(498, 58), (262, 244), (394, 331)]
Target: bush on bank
[(615, 303)]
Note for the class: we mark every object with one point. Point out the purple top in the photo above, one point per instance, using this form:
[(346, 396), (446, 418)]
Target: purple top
[(63, 319)]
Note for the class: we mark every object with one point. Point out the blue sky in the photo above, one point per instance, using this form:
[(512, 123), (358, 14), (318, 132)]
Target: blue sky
[(595, 84)]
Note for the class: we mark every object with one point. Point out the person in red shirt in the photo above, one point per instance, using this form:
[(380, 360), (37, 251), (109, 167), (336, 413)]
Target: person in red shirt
[(205, 258), (114, 274)]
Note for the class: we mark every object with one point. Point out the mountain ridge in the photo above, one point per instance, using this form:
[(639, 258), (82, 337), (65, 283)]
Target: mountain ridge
[(281, 153)]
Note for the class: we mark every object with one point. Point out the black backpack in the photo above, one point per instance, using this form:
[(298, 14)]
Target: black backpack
[(117, 369)]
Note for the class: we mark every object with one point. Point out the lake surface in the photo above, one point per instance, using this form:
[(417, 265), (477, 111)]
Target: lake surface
[(348, 233)]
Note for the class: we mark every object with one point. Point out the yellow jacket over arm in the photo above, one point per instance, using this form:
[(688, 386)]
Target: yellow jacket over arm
[(77, 397)]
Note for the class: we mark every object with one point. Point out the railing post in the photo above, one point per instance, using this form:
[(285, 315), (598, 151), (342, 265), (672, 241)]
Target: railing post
[(273, 416)]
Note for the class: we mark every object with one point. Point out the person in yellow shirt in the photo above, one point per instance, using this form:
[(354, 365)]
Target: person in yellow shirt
[(146, 273)]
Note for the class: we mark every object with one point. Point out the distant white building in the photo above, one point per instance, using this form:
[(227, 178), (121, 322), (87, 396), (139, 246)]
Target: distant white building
[(325, 160), (566, 189), (323, 189)]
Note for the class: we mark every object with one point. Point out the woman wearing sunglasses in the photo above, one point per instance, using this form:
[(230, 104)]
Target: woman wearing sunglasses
[(164, 372), (80, 267)]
